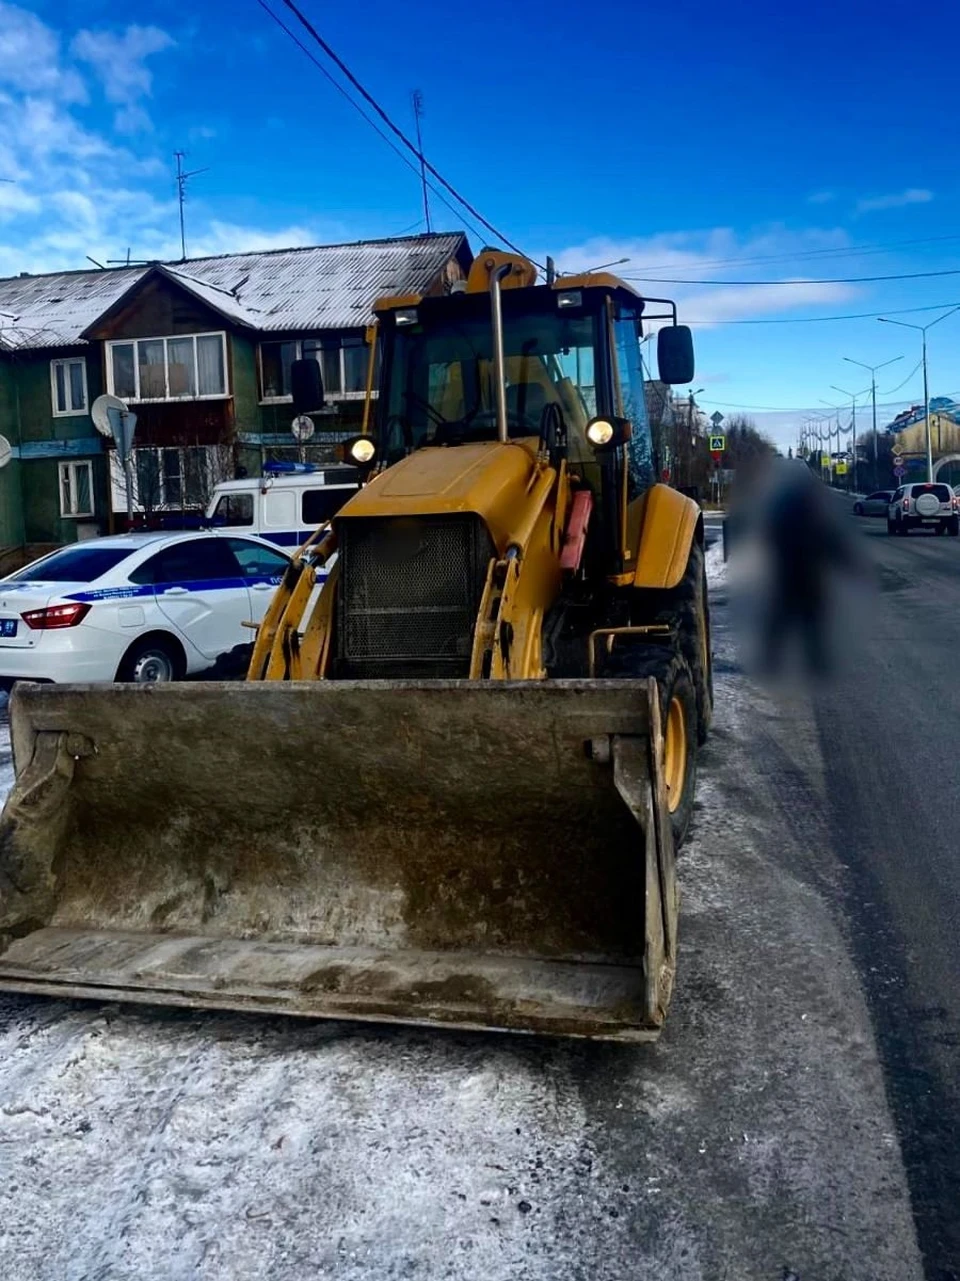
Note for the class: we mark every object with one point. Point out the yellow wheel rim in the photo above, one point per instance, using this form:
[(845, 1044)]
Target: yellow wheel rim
[(675, 754)]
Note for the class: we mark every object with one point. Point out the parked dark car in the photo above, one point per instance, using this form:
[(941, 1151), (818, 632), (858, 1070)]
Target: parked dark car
[(874, 504)]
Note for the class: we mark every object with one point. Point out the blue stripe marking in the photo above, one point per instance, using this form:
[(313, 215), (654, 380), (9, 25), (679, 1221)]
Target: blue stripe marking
[(134, 590)]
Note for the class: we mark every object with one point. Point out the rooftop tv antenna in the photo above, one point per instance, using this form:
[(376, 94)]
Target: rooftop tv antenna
[(182, 178), (417, 113)]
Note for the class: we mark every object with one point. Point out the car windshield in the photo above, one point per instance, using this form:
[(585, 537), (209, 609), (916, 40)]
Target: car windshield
[(81, 563), (441, 385), (941, 492)]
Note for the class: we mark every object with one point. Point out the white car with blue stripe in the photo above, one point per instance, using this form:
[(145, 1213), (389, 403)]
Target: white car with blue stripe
[(139, 607)]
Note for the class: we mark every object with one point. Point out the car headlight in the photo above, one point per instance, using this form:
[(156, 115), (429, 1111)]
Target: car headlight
[(362, 450), (600, 432)]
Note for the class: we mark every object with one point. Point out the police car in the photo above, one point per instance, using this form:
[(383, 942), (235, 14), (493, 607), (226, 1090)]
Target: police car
[(139, 607)]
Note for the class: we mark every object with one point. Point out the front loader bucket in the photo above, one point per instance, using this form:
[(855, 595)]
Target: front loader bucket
[(481, 855)]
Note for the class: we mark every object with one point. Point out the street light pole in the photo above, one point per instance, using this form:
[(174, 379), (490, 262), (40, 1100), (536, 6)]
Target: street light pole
[(853, 422), (873, 397), (926, 391)]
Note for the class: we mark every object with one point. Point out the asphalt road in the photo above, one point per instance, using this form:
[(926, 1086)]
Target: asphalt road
[(889, 740), (882, 841)]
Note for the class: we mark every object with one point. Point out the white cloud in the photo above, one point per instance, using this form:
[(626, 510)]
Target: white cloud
[(30, 57), (895, 200), (119, 62), (79, 190), (672, 264), (820, 197), (227, 238)]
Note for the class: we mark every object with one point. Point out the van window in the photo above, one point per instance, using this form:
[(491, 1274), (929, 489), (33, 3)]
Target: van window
[(317, 506), (279, 509), (234, 509)]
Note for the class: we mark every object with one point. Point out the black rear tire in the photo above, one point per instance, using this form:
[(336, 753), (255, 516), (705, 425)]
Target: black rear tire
[(674, 682), (683, 607), (891, 527)]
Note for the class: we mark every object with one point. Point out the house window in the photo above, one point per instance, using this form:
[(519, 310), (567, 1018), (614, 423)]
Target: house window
[(343, 364), (275, 361), (191, 367), (171, 478), (68, 383), (76, 489)]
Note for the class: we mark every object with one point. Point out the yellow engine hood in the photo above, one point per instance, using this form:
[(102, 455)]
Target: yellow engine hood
[(488, 478)]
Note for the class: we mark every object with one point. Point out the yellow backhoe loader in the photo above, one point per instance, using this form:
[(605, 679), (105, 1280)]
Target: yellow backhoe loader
[(450, 790)]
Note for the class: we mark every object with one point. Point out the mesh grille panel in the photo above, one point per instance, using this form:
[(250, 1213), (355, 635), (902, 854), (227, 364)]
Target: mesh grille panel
[(410, 593)]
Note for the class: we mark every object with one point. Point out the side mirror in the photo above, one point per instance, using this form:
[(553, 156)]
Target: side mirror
[(675, 355), (306, 384)]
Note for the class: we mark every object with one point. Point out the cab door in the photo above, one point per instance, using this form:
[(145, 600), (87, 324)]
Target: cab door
[(201, 591)]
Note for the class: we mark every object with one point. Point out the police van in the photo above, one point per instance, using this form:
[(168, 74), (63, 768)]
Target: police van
[(286, 505)]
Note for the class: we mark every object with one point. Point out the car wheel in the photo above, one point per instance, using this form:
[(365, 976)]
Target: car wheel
[(891, 527), (953, 526), (941, 528), (154, 660)]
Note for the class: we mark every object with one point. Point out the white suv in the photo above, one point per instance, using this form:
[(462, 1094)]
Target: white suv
[(929, 505)]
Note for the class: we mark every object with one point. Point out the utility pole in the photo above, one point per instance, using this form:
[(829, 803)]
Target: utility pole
[(853, 422), (182, 195), (873, 397), (417, 113), (926, 391)]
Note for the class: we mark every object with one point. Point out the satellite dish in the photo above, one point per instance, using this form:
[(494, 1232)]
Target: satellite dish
[(6, 452), (302, 427), (100, 412)]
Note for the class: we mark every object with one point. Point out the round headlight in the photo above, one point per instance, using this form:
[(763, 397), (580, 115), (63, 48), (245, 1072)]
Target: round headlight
[(362, 450), (600, 432)]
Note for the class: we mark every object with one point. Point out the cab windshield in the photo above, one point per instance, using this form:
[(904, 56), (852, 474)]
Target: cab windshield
[(441, 381)]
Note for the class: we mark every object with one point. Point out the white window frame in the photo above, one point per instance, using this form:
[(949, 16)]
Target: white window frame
[(69, 472), (298, 346), (168, 399), (64, 364)]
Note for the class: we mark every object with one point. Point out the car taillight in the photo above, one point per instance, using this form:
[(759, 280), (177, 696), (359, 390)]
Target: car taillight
[(906, 502), (53, 616)]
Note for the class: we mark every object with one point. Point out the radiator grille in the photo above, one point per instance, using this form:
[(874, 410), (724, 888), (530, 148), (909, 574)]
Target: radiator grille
[(410, 591)]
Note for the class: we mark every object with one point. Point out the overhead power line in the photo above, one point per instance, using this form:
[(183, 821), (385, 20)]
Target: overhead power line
[(817, 414), (915, 370), (395, 129), (818, 320), (820, 280), (458, 213), (840, 251)]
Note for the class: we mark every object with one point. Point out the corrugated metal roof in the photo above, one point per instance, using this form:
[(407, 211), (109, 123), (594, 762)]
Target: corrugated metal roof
[(279, 290)]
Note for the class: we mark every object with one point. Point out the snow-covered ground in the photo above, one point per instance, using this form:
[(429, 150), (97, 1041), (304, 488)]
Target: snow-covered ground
[(715, 564), (753, 1142)]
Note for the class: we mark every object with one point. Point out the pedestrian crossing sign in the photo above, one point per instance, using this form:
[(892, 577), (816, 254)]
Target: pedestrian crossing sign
[(718, 444)]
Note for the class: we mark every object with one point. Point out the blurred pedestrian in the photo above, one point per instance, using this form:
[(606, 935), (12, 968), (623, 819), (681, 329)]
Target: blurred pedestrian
[(805, 544)]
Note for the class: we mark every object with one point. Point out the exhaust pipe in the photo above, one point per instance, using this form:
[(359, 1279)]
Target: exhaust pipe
[(497, 273)]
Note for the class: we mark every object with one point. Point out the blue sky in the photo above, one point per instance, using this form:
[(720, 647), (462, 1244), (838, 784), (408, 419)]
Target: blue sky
[(701, 142)]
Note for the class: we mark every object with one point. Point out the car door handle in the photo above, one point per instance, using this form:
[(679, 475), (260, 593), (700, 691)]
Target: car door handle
[(263, 587), (175, 591)]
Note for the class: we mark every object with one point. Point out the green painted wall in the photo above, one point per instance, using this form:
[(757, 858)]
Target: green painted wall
[(11, 511), (40, 477), (243, 383)]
